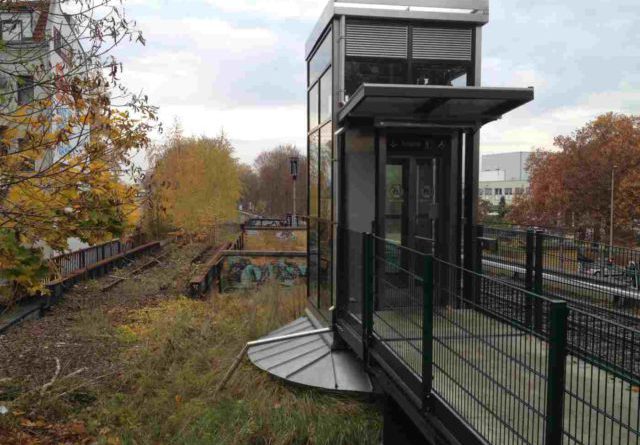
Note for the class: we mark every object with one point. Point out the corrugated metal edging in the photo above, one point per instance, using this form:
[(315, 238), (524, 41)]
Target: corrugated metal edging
[(442, 43), (386, 41)]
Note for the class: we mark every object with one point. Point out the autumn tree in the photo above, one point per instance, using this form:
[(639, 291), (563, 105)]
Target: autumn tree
[(275, 194), (194, 185), (571, 187), (68, 131)]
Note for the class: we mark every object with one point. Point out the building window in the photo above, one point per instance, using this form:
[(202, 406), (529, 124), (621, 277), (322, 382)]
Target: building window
[(314, 104), (498, 192), (508, 192), (11, 30), (370, 70), (481, 192), (28, 164), (488, 192), (326, 96), (519, 191), (321, 59), (25, 90)]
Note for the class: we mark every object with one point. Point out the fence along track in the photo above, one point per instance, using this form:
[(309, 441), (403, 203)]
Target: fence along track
[(520, 372)]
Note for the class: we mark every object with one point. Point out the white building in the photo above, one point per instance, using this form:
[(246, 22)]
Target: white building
[(503, 176), (39, 49)]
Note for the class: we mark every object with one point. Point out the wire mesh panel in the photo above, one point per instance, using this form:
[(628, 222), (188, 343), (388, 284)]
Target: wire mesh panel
[(398, 301), (504, 252), (488, 365), (603, 382), (593, 275)]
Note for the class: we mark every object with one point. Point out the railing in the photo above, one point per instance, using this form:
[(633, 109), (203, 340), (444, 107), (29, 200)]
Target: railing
[(287, 221), (64, 265), (516, 367), (589, 275)]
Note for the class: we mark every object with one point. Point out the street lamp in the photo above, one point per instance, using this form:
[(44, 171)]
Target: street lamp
[(613, 183), (294, 165)]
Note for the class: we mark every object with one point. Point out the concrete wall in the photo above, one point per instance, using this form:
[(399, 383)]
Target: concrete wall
[(513, 164)]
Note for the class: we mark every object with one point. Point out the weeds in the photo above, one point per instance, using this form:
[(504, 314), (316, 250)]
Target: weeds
[(185, 347), (153, 369)]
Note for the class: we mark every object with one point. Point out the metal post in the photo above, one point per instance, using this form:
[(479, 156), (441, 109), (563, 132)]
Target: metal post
[(538, 287), (528, 280), (293, 215), (367, 316), (556, 373), (613, 183), (477, 263), (427, 331)]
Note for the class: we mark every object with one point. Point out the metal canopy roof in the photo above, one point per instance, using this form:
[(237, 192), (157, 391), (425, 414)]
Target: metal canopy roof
[(437, 105)]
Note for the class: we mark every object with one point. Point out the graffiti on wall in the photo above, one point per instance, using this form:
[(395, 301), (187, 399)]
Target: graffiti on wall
[(243, 272)]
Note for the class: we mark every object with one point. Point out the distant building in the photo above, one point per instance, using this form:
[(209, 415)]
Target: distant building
[(503, 175)]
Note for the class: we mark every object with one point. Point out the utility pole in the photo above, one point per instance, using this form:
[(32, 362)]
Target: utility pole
[(613, 183), (293, 161)]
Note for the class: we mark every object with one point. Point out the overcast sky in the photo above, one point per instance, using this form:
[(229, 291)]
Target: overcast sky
[(239, 65)]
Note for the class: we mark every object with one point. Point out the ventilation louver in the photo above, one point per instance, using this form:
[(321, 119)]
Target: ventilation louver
[(442, 44), (386, 41)]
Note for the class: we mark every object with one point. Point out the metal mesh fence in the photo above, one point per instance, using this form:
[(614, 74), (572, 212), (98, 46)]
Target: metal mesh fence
[(488, 365), (603, 382), (398, 301), (516, 367)]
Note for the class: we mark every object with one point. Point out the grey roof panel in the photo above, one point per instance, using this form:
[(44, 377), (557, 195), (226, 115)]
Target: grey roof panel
[(309, 361)]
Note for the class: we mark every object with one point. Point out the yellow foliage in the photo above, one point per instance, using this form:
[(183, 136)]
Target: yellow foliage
[(196, 182)]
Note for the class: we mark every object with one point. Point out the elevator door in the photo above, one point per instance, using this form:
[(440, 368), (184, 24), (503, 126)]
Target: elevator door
[(411, 202)]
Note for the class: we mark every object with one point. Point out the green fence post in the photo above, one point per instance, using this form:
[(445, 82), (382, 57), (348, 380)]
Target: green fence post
[(556, 373), (367, 294), (477, 266), (538, 284), (371, 287), (530, 266), (427, 331)]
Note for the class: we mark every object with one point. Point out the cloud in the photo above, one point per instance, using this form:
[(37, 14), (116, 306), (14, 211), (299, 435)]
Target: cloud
[(527, 128), (273, 9)]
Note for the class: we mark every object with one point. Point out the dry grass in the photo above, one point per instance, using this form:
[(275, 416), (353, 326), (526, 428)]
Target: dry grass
[(165, 360), (271, 240)]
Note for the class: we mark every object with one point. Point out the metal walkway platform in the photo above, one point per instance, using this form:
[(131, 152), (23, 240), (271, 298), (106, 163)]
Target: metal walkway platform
[(310, 361)]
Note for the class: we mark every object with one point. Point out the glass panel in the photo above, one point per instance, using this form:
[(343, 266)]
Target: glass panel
[(326, 94), (314, 107), (313, 174), (325, 227), (326, 145), (426, 210), (438, 73), (395, 202), (321, 59), (313, 261), (313, 246), (366, 70)]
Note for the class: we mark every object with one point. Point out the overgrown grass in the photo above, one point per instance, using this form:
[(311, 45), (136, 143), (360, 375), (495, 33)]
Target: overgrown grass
[(272, 240), (176, 355)]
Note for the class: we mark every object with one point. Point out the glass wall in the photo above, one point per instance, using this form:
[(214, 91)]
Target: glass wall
[(428, 56), (320, 155), (313, 240), (325, 226)]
